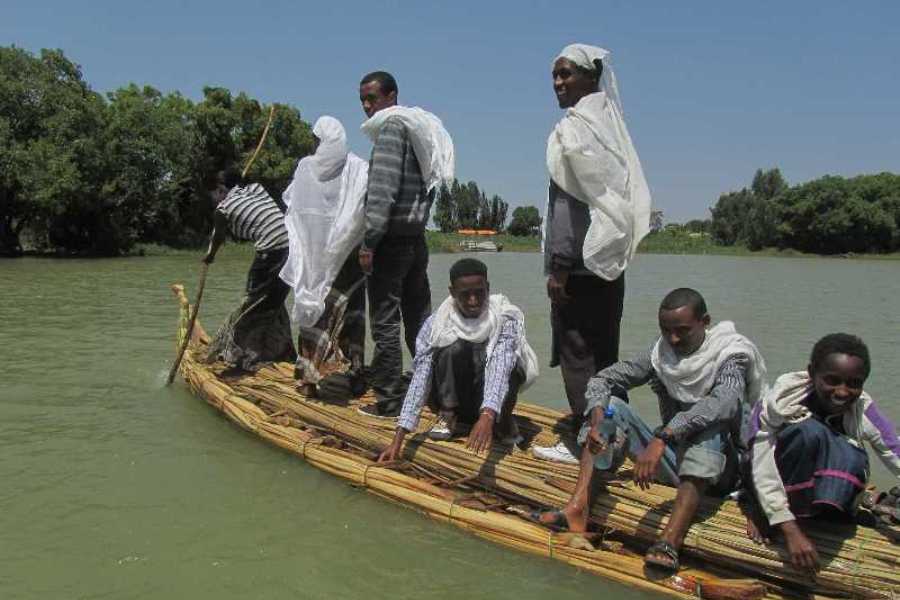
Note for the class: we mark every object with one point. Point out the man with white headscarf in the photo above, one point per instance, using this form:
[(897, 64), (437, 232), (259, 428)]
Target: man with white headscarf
[(598, 210), (325, 224), (412, 155), (706, 380)]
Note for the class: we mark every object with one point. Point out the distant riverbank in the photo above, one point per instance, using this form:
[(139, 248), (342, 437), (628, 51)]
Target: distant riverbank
[(663, 242)]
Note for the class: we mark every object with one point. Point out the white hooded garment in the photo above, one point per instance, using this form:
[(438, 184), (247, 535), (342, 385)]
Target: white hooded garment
[(431, 143), (324, 219), (591, 157)]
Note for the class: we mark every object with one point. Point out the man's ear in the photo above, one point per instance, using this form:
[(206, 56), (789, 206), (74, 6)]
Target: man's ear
[(809, 370), (450, 289), (706, 320), (393, 96)]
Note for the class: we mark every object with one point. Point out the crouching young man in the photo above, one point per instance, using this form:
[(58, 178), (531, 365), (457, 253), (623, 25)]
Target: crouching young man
[(471, 360), (704, 378)]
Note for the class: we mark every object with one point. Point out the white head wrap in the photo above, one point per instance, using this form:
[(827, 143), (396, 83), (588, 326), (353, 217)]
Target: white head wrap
[(325, 218), (431, 143), (591, 157)]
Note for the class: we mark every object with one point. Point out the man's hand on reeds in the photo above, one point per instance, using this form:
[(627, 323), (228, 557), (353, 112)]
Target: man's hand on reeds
[(800, 548), (482, 433), (392, 452), (647, 462)]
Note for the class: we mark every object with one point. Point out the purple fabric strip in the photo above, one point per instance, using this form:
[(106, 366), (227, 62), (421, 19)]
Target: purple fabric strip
[(885, 427)]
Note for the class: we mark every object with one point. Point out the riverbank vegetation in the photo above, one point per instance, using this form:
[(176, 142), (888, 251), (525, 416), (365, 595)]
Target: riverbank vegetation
[(84, 173)]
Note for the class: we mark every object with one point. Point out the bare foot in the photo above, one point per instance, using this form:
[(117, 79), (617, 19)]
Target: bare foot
[(757, 528)]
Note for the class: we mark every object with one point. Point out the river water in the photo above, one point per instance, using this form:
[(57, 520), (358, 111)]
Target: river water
[(115, 486)]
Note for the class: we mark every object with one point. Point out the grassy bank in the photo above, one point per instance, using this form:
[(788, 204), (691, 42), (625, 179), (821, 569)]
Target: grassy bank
[(664, 242)]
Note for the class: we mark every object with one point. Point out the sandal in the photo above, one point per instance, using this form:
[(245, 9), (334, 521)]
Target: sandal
[(666, 549)]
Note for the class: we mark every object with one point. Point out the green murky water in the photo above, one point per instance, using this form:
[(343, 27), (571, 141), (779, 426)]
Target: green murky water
[(115, 486)]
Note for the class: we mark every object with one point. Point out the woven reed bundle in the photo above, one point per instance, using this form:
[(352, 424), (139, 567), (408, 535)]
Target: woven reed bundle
[(862, 566)]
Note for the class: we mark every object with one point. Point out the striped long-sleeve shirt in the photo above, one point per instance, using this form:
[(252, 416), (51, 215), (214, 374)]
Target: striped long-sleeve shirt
[(496, 372), (254, 217), (396, 200), (723, 404)]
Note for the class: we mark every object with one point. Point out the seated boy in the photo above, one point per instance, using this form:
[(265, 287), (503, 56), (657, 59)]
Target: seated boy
[(703, 377), (807, 439), (471, 360)]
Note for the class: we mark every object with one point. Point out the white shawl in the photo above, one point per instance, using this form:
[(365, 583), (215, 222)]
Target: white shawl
[(431, 143), (448, 325), (689, 378), (325, 218), (591, 157)]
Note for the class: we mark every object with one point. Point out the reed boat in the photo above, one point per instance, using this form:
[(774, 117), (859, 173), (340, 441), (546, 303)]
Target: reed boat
[(490, 496)]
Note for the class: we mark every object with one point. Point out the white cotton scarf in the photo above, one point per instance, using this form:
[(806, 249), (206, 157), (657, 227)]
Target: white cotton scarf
[(325, 218), (431, 143), (448, 325), (689, 378), (590, 156)]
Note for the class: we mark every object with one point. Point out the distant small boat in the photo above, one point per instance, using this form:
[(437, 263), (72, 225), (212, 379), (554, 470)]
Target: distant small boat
[(473, 244)]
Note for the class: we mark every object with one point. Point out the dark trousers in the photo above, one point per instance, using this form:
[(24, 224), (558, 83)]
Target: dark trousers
[(586, 333), (397, 288), (457, 385)]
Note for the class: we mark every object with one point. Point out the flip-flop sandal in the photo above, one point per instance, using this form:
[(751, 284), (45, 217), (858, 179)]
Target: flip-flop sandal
[(668, 550), (559, 522)]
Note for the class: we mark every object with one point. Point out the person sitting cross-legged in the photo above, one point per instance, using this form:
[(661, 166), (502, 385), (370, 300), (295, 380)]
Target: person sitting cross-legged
[(471, 360), (704, 378), (807, 454)]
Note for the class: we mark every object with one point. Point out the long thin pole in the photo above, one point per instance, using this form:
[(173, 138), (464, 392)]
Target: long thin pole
[(190, 328)]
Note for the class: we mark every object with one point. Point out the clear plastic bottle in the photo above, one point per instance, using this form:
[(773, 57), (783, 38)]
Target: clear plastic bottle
[(607, 431)]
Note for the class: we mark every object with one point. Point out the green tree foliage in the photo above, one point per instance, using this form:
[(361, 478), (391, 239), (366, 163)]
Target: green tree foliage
[(830, 215), (444, 216), (50, 154), (526, 220), (465, 206), (88, 174)]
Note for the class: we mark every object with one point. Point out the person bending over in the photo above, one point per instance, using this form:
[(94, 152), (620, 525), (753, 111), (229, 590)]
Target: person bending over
[(471, 360)]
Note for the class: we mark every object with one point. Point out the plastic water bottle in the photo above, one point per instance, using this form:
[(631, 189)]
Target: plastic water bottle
[(607, 431)]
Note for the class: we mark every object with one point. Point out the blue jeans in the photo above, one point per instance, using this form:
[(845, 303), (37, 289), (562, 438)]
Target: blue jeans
[(707, 455)]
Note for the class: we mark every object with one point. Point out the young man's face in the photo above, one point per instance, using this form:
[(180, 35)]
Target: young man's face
[(218, 192), (838, 382), (684, 331), (570, 83), (470, 294), (373, 99)]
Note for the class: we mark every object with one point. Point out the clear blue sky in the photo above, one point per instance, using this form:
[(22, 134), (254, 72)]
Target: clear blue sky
[(711, 90)]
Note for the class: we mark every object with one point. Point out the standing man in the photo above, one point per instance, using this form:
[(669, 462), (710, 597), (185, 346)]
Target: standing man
[(412, 155), (598, 210), (259, 330)]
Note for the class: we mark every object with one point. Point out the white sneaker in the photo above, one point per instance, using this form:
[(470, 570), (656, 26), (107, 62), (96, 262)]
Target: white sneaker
[(442, 429), (558, 453)]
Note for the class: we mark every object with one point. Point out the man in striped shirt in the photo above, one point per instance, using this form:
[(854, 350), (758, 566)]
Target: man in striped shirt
[(394, 254), (471, 360), (260, 329), (704, 378)]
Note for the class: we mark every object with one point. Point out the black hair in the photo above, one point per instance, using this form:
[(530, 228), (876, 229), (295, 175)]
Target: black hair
[(685, 297), (839, 343), (467, 266), (386, 81), (229, 177)]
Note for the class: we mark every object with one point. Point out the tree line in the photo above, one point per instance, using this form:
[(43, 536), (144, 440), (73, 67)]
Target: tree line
[(829, 215), (89, 173), (83, 172)]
